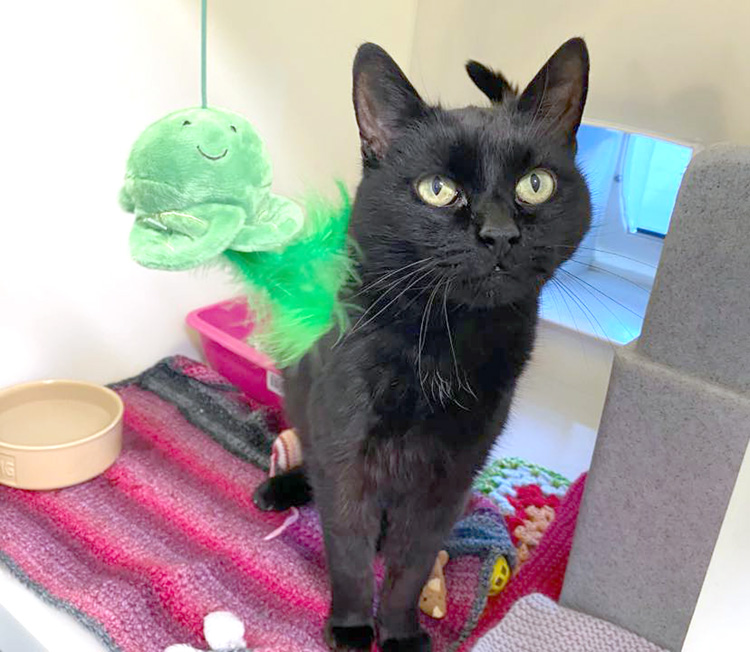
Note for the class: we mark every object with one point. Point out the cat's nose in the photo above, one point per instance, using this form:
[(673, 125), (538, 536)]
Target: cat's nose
[(496, 227), (499, 236)]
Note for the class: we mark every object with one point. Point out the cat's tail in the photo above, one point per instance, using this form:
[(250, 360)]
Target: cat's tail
[(294, 292)]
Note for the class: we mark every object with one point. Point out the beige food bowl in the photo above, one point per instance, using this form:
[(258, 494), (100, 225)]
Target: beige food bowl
[(57, 433)]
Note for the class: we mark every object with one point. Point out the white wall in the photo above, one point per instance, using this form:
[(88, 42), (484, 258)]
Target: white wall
[(721, 620), (80, 80), (677, 68)]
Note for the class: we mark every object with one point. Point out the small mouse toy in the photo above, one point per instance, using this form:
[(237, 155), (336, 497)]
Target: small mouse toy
[(434, 593)]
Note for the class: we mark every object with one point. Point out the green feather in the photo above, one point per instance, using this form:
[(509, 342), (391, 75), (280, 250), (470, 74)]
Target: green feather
[(294, 292)]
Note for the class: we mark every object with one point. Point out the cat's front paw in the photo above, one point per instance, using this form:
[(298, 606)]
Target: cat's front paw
[(345, 639), (419, 643)]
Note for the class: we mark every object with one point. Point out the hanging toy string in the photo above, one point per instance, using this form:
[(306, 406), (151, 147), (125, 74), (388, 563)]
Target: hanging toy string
[(204, 101)]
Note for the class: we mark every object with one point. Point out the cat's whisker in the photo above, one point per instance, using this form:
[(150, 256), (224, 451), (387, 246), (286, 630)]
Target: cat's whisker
[(553, 284), (423, 335), (390, 303), (380, 298), (391, 286), (389, 275), (557, 285), (461, 384), (417, 297), (604, 251), (604, 294), (570, 290), (610, 272), (587, 312), (384, 293), (374, 304), (448, 328), (560, 290)]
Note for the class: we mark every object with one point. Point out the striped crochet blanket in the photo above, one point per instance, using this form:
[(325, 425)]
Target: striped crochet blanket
[(169, 534)]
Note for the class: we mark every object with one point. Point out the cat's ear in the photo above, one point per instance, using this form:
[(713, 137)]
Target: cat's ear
[(384, 100), (556, 96), (490, 82)]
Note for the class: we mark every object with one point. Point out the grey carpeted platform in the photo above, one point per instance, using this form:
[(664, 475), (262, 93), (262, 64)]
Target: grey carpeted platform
[(677, 419)]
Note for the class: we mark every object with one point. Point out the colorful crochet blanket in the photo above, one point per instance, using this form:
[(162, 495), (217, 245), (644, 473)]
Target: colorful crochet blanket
[(544, 570), (169, 534)]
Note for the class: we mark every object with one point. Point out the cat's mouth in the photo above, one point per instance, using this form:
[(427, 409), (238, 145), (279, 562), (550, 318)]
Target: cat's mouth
[(466, 267), (212, 158)]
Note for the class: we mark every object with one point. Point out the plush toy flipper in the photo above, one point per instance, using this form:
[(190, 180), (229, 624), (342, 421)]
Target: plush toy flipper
[(186, 238), (275, 223), (126, 200), (294, 291)]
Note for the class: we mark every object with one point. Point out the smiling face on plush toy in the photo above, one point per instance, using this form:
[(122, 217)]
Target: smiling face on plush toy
[(194, 179), (209, 155)]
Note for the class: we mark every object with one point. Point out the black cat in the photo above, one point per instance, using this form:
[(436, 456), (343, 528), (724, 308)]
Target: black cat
[(461, 217)]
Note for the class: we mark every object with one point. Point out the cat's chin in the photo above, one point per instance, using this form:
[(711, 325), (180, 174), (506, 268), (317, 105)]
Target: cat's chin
[(493, 290)]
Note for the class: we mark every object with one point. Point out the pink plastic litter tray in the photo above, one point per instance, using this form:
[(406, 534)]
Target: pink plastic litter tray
[(223, 329)]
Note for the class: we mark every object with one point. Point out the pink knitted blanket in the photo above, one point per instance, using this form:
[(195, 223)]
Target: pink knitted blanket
[(169, 533)]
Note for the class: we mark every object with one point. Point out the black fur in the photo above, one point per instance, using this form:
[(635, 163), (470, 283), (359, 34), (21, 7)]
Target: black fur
[(349, 638), (490, 82), (419, 643), (398, 415), (283, 491)]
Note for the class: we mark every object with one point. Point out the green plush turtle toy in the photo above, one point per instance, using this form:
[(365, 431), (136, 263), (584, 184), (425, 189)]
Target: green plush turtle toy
[(198, 181)]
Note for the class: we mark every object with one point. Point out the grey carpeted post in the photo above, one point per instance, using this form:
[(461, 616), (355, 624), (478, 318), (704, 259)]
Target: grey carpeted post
[(677, 418)]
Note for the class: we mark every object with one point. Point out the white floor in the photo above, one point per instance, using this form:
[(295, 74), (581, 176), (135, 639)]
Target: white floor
[(14, 637), (53, 630), (556, 413)]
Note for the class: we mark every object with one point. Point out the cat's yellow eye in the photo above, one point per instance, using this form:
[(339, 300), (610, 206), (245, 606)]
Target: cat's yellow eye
[(437, 190), (536, 187)]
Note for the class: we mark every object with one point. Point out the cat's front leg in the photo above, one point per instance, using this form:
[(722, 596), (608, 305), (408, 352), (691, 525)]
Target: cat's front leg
[(416, 532), (351, 527)]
